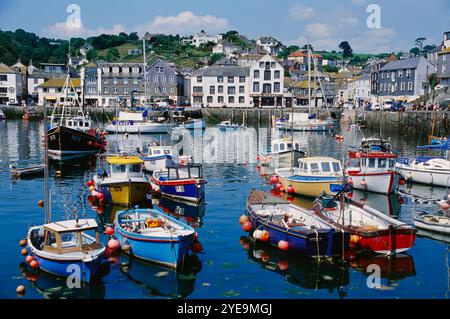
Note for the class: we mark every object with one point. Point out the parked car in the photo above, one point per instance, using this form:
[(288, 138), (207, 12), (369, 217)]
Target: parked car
[(397, 107), (375, 107), (387, 105)]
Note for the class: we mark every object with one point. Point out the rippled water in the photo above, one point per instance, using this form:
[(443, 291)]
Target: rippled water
[(230, 265)]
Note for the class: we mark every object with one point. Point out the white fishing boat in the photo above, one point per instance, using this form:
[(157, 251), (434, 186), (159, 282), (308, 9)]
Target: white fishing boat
[(137, 123), (302, 122), (192, 124), (431, 170), (280, 155), (435, 223), (156, 157), (228, 125)]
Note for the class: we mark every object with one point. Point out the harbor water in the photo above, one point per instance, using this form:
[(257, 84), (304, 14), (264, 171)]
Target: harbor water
[(230, 265)]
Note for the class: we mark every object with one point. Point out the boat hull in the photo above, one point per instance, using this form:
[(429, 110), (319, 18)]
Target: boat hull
[(124, 193), (66, 141), (383, 182), (139, 128), (309, 188), (321, 127), (429, 177), (421, 223)]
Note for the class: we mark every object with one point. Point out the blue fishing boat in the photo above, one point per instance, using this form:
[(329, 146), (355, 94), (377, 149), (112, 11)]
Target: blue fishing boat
[(292, 228), (182, 181), (63, 247), (153, 236)]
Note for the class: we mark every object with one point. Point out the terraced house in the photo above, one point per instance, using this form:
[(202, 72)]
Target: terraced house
[(443, 68)]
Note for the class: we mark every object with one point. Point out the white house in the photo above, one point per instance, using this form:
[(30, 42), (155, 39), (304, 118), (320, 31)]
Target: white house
[(227, 48), (33, 82), (50, 91), (10, 85), (359, 89), (269, 44), (203, 38)]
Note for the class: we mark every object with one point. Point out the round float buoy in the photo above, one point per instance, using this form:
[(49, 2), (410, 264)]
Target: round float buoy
[(34, 264), (278, 186), (265, 236), (92, 188), (196, 247), (100, 210), (349, 195), (283, 245), (22, 242), (24, 252), (89, 143), (283, 265), (257, 234), (281, 189), (401, 181), (29, 259), (274, 179), (247, 226), (355, 239), (363, 183), (243, 219), (350, 181), (113, 244), (264, 257), (109, 231), (90, 183), (290, 189), (444, 205), (20, 290), (41, 203), (100, 195)]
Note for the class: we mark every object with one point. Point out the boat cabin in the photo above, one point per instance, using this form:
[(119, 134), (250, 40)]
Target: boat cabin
[(79, 122), (378, 161), (320, 166), (125, 165), (69, 236), (375, 144), (177, 171), (159, 150), (283, 145)]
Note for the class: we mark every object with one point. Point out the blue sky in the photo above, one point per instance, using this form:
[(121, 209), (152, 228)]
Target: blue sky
[(325, 22)]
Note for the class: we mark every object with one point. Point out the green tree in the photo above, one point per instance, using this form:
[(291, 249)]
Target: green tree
[(112, 55), (346, 49), (419, 43), (415, 51), (215, 57)]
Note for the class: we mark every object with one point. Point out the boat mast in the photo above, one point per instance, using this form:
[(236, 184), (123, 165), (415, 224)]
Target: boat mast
[(47, 203), (309, 76), (292, 134), (145, 73)]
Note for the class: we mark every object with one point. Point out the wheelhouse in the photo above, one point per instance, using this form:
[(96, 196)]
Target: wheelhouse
[(125, 165), (320, 166), (380, 161), (283, 145), (176, 171)]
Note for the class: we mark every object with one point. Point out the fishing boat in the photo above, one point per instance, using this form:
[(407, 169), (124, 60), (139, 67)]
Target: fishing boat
[(370, 229), (431, 170), (27, 171), (439, 223), (303, 123), (228, 125), (313, 176), (156, 157), (153, 236), (182, 181), (126, 183), (192, 124), (280, 155), (300, 230), (137, 122), (2, 115), (372, 167), (64, 246), (71, 134)]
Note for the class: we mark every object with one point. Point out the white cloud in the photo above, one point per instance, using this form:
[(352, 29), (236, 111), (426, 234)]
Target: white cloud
[(185, 22), (62, 30), (300, 12)]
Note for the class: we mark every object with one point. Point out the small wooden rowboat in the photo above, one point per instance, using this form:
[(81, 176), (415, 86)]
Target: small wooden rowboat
[(434, 223), (371, 230), (27, 171), (294, 229)]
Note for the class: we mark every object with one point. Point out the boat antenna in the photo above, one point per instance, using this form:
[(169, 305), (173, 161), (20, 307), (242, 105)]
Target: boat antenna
[(47, 199), (309, 75)]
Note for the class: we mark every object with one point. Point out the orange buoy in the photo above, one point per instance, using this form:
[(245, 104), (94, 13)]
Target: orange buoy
[(243, 219), (90, 183), (100, 195), (41, 203), (264, 257), (283, 245), (196, 247), (350, 181), (290, 189), (22, 242), (34, 264), (247, 226), (444, 205), (29, 259), (100, 210), (109, 231), (349, 195), (20, 290), (113, 244), (92, 188), (281, 189), (24, 252), (265, 236), (283, 265), (401, 181)]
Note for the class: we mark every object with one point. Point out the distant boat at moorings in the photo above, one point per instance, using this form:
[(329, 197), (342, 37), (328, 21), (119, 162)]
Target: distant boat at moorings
[(371, 230), (192, 124), (292, 228), (313, 176), (153, 236), (182, 181), (56, 246), (32, 170), (137, 123), (302, 122), (126, 183), (280, 155), (431, 170), (156, 157), (228, 125)]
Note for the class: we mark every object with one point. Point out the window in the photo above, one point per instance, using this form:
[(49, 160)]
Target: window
[(444, 68), (371, 162), (242, 79), (400, 73), (241, 99), (336, 167), (267, 65), (212, 89), (220, 89), (314, 168), (163, 79), (125, 91), (118, 168), (156, 90), (231, 99), (197, 89), (114, 90), (382, 163), (402, 86), (231, 90), (230, 79), (220, 79), (267, 75), (276, 75), (172, 90), (408, 73), (159, 69), (115, 69), (391, 162), (326, 167), (364, 162), (282, 147), (275, 147), (125, 70), (255, 86), (125, 81), (256, 74), (115, 81), (267, 88), (220, 99), (241, 89), (261, 64), (410, 86), (199, 79), (272, 64), (382, 75), (209, 99), (276, 87), (135, 168)]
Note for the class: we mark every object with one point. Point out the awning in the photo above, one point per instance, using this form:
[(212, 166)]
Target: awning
[(50, 98)]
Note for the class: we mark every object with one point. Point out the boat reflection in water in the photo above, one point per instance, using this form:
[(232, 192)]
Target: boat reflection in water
[(392, 268), (107, 213), (434, 235), (303, 272), (387, 204), (72, 166), (156, 281), (53, 287), (190, 213)]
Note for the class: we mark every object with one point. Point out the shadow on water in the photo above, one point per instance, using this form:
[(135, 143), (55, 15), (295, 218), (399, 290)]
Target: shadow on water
[(187, 212)]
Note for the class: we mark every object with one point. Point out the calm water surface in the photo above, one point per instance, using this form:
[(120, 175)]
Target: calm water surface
[(230, 265)]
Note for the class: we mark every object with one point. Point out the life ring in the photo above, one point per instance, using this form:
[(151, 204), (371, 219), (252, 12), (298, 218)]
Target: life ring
[(151, 223)]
